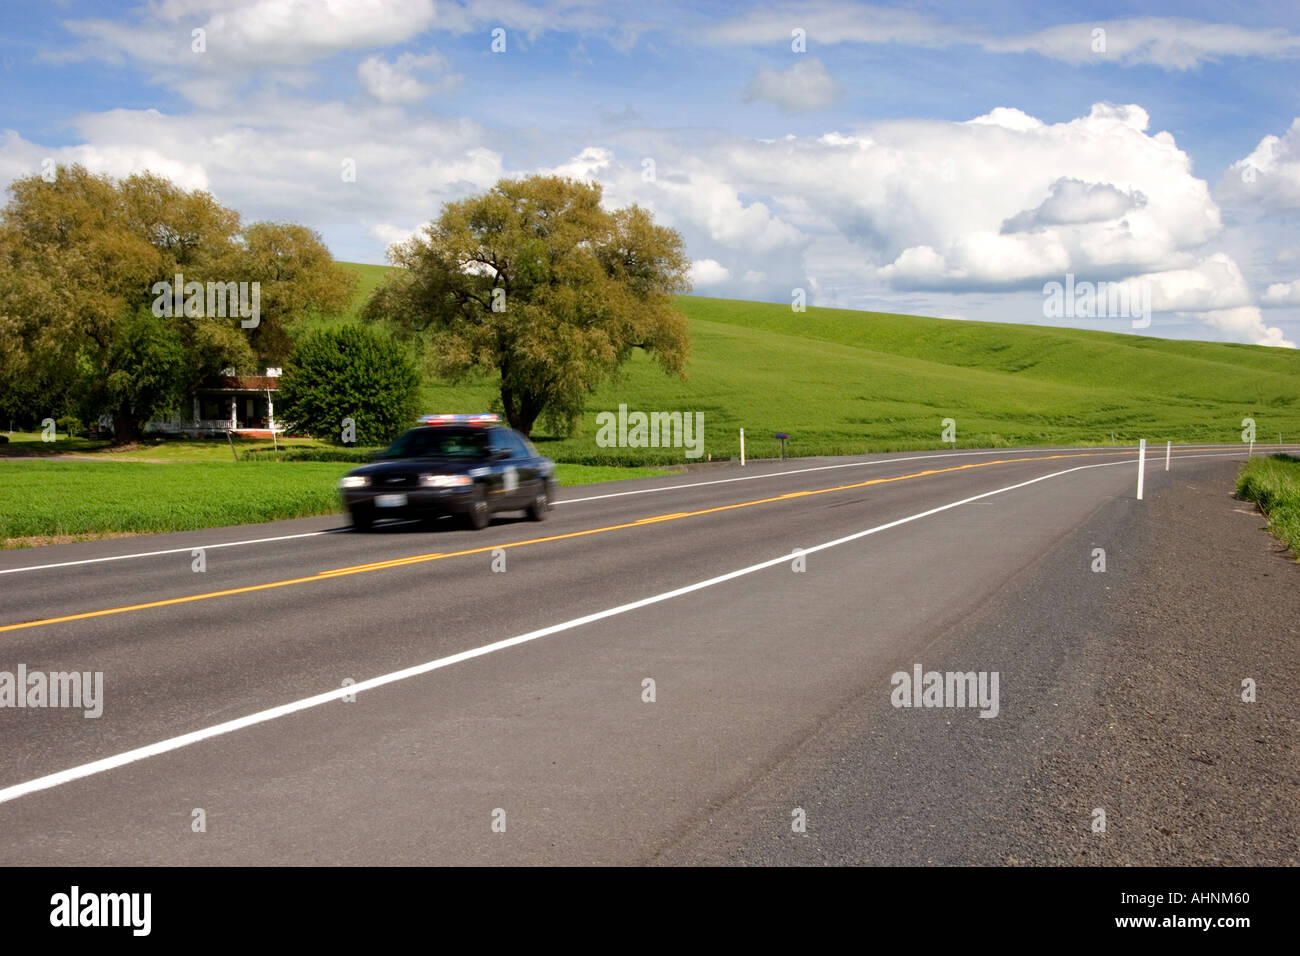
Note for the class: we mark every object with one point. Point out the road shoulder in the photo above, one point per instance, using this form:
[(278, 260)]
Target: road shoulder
[(1121, 692)]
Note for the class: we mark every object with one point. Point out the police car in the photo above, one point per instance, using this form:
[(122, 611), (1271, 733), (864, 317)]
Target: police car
[(466, 466)]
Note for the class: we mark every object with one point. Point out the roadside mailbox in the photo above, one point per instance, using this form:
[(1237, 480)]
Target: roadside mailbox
[(782, 436)]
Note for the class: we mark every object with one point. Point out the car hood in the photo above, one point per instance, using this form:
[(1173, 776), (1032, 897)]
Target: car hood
[(424, 466)]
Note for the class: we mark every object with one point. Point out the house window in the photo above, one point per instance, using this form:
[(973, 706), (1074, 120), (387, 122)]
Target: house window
[(211, 409)]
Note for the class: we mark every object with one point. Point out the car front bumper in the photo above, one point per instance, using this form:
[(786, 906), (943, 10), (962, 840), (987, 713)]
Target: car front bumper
[(409, 502)]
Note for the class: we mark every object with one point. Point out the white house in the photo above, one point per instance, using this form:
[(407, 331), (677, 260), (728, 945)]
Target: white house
[(227, 402)]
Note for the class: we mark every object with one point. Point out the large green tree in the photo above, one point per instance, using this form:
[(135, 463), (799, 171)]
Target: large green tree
[(298, 279), (537, 282), (79, 259)]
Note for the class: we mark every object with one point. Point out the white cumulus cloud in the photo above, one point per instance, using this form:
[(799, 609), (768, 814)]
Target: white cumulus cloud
[(927, 200), (399, 81), (587, 165), (706, 272), (1270, 175), (1245, 324), (1074, 201), (1282, 293)]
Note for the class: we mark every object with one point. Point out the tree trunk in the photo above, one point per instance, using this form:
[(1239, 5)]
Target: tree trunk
[(521, 410), (125, 428)]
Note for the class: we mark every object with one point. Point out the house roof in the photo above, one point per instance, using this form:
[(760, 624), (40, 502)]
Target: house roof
[(242, 383)]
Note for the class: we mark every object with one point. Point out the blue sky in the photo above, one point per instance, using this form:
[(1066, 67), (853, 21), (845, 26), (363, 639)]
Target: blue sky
[(945, 159)]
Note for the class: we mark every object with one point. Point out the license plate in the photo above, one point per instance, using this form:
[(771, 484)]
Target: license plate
[(390, 501)]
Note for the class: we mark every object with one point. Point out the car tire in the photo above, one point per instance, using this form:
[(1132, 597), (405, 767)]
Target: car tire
[(362, 519), (540, 504), (479, 515)]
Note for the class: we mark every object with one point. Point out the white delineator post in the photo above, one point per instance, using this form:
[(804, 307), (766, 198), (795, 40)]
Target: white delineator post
[(1142, 464), (742, 448), (270, 418), (1168, 448)]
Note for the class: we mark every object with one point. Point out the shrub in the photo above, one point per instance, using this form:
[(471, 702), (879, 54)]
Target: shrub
[(352, 372), (69, 425), (362, 455)]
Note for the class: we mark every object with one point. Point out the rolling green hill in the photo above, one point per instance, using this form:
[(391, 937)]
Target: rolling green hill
[(844, 382), (370, 277)]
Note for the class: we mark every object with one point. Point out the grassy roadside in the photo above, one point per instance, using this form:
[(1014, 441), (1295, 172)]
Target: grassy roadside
[(45, 501), (1274, 484)]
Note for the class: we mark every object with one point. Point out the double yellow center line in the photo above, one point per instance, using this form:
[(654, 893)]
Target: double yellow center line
[(486, 549)]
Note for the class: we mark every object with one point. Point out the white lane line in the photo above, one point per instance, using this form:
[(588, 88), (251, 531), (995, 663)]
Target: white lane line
[(154, 554), (263, 716), (191, 547), (616, 494)]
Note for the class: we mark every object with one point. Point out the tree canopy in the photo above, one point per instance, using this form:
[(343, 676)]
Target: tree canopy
[(537, 282), (79, 260)]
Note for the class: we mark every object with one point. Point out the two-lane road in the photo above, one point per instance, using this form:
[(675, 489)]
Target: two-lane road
[(501, 680)]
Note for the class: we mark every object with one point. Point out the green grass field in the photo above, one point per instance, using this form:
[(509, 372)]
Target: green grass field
[(844, 382), (76, 498), (1274, 484)]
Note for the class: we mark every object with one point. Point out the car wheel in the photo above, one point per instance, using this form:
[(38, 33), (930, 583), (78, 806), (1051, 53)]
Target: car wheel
[(540, 504), (479, 515), (362, 519)]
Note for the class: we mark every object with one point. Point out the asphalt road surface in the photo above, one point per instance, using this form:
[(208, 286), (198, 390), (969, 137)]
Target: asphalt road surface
[(505, 716)]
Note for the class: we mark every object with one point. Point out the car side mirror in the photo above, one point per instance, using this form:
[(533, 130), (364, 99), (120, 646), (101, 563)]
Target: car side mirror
[(499, 454)]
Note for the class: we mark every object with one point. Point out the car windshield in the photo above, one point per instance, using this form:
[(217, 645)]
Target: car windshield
[(439, 443)]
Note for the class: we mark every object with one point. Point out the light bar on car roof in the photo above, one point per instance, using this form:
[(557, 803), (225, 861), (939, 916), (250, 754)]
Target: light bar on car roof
[(477, 418)]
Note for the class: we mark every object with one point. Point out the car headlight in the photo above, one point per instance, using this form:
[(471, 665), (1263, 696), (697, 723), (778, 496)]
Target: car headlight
[(353, 481), (446, 481)]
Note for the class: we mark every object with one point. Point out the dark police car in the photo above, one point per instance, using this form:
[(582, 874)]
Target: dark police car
[(462, 465)]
